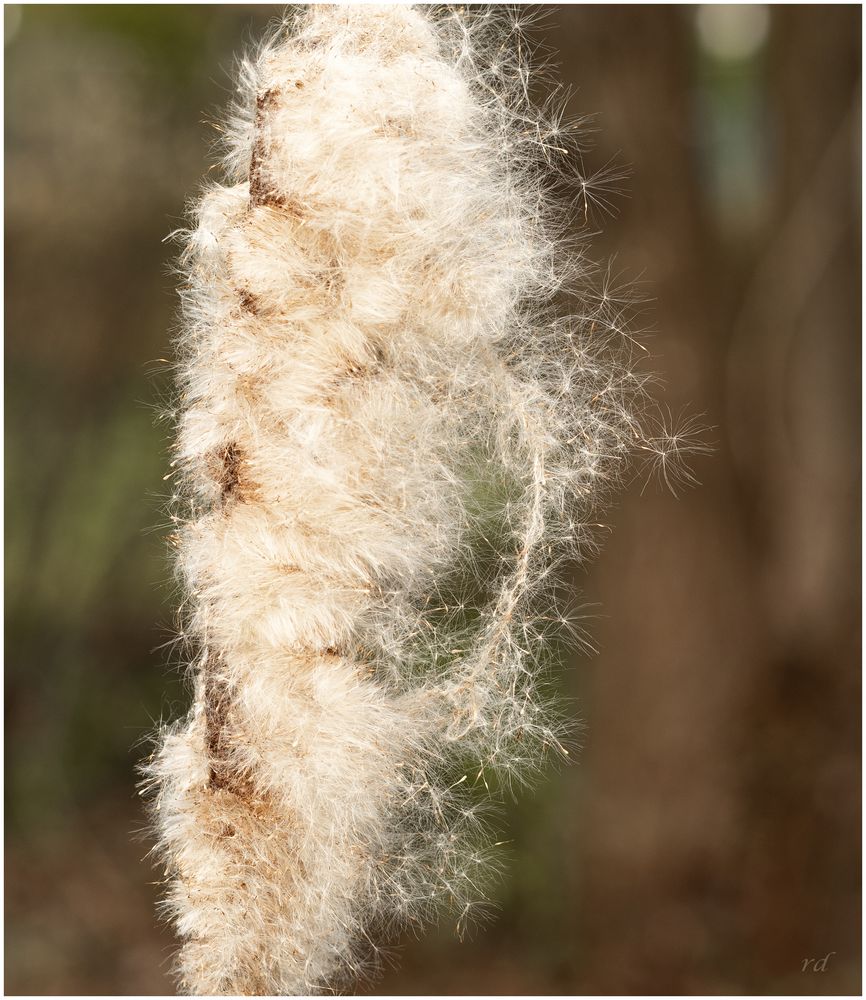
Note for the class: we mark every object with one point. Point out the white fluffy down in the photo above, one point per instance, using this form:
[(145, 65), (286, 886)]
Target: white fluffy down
[(388, 442)]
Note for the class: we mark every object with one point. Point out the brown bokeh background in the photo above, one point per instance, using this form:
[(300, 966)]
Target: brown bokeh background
[(707, 838)]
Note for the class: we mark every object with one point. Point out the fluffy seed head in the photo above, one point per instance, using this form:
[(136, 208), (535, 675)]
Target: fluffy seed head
[(389, 441)]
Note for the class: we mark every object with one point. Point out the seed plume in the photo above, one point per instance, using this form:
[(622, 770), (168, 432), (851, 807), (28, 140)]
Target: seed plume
[(402, 408)]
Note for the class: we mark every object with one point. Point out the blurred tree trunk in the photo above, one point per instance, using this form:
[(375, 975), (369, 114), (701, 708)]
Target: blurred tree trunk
[(722, 745), (799, 459)]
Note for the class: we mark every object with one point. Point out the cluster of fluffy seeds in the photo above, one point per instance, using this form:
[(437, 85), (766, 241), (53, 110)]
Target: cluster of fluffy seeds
[(388, 443)]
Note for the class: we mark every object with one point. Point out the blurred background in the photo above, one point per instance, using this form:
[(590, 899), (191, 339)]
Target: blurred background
[(707, 838)]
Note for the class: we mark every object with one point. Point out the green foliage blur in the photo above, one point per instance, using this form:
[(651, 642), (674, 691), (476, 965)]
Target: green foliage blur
[(104, 139)]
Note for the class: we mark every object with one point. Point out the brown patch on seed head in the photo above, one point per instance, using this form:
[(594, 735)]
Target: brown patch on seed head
[(224, 773), (227, 468)]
